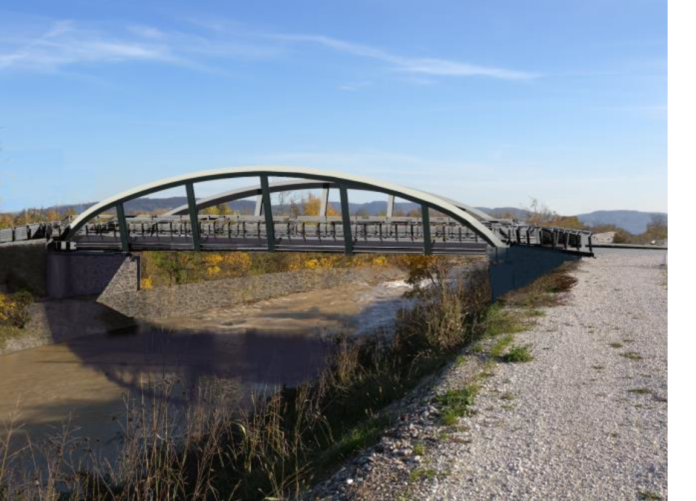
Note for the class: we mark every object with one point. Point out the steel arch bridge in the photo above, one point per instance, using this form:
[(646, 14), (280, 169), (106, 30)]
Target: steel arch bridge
[(445, 226)]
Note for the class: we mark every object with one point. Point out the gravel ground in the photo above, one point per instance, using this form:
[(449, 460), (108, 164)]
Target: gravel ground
[(583, 420)]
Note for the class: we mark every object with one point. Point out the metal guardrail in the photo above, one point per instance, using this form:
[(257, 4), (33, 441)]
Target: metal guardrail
[(32, 231), (380, 234)]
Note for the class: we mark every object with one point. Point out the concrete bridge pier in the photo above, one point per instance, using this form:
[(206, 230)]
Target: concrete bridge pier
[(518, 266), (82, 273)]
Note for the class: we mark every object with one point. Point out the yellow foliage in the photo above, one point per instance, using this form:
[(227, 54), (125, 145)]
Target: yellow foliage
[(146, 283), (213, 270), (14, 309), (213, 259), (312, 205), (238, 263), (379, 261)]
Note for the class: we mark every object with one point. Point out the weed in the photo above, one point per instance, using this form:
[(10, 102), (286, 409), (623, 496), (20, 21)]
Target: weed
[(518, 354), (616, 344), (499, 347), (507, 396), (648, 495), (640, 391), (419, 449), (502, 321), (456, 403), (598, 367), (545, 291), (632, 355), (534, 313), (422, 473), (358, 438)]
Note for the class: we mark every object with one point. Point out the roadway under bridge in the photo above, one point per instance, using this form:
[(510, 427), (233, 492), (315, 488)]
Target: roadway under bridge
[(444, 226)]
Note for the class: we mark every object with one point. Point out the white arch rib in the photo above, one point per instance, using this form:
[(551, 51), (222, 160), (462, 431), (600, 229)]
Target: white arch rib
[(350, 180)]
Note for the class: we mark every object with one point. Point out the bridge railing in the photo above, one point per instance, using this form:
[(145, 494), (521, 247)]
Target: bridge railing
[(327, 233), (32, 231)]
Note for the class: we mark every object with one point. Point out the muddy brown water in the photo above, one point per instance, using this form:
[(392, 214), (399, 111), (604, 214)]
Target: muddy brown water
[(278, 341)]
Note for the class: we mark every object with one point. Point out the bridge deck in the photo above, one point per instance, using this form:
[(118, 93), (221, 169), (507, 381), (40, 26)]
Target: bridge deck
[(395, 235)]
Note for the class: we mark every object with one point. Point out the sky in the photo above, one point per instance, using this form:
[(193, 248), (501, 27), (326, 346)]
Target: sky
[(491, 103)]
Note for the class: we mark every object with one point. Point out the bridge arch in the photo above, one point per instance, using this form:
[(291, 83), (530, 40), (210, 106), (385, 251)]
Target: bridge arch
[(464, 215), (302, 184)]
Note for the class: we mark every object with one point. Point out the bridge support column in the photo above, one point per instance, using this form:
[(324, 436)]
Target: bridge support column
[(71, 274), (518, 266)]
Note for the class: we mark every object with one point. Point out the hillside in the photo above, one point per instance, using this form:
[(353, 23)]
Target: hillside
[(632, 221)]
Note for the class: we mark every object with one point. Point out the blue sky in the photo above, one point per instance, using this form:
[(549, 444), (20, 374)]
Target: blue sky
[(491, 103)]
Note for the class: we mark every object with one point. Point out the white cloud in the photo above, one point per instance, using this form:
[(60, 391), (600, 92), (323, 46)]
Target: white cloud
[(66, 43), (415, 65)]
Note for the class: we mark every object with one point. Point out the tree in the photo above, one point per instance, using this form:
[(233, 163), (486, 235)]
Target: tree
[(657, 229), (311, 206)]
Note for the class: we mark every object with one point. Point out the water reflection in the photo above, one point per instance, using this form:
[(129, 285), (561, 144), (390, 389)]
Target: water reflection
[(273, 342)]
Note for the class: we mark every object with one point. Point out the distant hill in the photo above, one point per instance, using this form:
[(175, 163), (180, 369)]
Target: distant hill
[(630, 220), (505, 212)]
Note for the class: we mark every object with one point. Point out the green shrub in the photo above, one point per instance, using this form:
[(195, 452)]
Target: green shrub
[(517, 354)]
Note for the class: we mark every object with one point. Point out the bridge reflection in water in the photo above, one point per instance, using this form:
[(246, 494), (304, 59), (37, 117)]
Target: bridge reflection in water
[(281, 341)]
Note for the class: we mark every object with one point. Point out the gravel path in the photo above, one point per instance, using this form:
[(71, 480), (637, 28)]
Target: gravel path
[(585, 420), (581, 421)]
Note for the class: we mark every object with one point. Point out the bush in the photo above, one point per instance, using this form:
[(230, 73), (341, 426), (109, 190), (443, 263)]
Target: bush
[(14, 309)]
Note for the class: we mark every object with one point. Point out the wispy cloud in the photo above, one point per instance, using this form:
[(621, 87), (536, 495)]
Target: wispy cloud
[(66, 42), (415, 65)]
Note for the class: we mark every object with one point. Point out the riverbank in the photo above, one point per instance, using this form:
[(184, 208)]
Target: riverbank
[(56, 321), (584, 418)]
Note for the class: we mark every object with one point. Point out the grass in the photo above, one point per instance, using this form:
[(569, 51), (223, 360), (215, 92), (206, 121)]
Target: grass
[(8, 332), (419, 449), (421, 474), (503, 321), (640, 391), (518, 354), (14, 315), (649, 496), (632, 355), (358, 438), (456, 403), (507, 396), (616, 344), (546, 291), (500, 345), (534, 313)]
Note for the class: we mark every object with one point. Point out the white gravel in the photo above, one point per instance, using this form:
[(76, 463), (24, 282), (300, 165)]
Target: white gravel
[(564, 426), (574, 429)]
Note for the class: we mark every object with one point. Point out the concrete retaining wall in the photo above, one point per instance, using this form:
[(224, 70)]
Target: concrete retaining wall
[(517, 267), (184, 299), (74, 274)]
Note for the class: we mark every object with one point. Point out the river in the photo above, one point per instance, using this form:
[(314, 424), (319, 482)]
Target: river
[(278, 341)]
